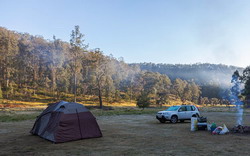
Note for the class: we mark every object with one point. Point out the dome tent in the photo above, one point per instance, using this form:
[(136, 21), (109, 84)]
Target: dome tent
[(66, 121)]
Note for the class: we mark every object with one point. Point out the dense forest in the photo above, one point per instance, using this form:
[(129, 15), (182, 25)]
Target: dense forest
[(213, 79), (202, 73), (31, 65)]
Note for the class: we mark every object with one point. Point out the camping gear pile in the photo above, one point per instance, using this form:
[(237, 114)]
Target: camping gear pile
[(200, 123), (66, 121), (220, 130)]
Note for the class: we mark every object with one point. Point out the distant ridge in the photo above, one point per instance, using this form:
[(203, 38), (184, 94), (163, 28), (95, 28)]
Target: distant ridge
[(201, 73)]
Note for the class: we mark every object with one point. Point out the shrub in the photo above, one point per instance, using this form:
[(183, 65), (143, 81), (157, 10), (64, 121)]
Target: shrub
[(143, 101)]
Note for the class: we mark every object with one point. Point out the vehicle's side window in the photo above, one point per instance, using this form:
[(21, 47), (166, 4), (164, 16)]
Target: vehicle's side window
[(189, 108), (183, 108), (193, 108)]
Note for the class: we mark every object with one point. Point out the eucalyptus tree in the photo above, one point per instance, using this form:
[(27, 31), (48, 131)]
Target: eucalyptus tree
[(246, 81), (24, 69), (195, 92), (178, 89), (56, 59), (77, 49), (101, 74), (8, 52)]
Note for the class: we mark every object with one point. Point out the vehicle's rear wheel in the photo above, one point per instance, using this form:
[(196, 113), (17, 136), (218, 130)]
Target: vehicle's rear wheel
[(174, 119), (182, 120)]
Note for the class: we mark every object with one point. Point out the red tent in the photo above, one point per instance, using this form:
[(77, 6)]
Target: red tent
[(66, 121)]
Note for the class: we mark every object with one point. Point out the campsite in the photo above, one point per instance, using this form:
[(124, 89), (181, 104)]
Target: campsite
[(124, 77), (132, 135)]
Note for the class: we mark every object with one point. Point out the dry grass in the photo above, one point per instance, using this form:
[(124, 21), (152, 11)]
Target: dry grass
[(131, 135), (13, 105), (9, 116), (42, 98), (22, 105)]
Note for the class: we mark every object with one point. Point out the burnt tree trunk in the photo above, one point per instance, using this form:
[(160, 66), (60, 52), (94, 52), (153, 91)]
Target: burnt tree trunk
[(99, 93), (75, 87), (100, 97), (53, 79)]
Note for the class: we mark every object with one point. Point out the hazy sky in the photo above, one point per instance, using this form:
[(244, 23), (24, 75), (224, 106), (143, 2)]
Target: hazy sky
[(159, 31)]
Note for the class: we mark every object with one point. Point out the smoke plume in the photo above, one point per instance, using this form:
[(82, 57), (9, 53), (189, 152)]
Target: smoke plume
[(234, 99)]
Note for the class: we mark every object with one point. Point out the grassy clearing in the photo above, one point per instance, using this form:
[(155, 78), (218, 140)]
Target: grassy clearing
[(17, 117), (125, 111), (131, 135), (14, 117), (32, 109)]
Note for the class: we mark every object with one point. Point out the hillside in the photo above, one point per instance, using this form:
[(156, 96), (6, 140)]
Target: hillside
[(32, 67), (202, 73)]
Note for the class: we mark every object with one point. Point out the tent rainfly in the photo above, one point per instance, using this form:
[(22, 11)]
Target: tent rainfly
[(66, 121)]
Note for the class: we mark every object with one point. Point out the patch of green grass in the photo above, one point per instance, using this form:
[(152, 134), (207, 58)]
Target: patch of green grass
[(17, 117), (125, 112), (13, 117)]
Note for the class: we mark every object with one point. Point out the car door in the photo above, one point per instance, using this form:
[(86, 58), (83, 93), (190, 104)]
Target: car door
[(182, 112), (189, 112)]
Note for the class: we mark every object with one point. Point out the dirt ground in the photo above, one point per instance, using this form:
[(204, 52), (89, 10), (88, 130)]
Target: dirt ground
[(131, 135)]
